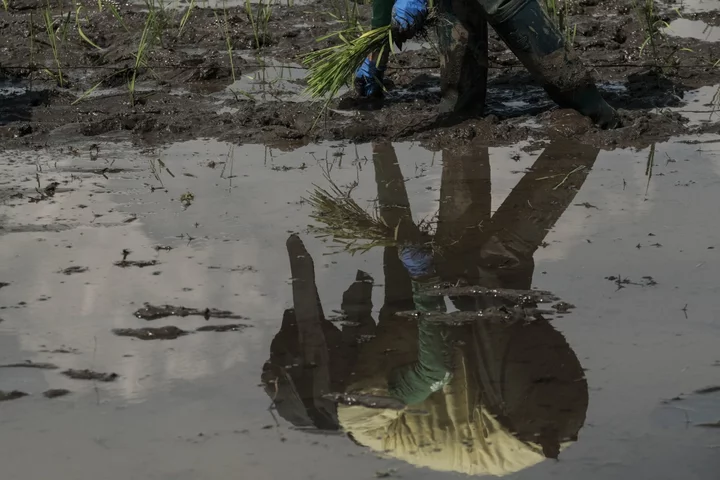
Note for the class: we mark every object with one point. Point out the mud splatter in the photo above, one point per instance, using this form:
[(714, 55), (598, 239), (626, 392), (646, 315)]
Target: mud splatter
[(90, 375), (73, 270), (56, 393), (237, 327), (152, 312), (13, 395), (150, 333)]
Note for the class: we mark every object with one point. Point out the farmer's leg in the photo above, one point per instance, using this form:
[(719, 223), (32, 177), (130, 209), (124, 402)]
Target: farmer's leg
[(462, 34)]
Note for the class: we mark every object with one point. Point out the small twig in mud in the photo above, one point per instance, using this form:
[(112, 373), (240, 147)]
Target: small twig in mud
[(576, 169), (685, 310)]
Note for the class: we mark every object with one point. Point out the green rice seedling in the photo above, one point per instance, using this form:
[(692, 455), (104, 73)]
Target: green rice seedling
[(6, 4), (118, 17), (332, 68), (652, 27), (228, 39), (52, 39), (80, 30), (140, 55), (186, 17), (259, 20)]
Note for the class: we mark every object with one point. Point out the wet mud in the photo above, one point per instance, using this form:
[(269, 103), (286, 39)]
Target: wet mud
[(90, 375), (56, 393), (188, 91), (13, 395), (150, 333), (153, 312)]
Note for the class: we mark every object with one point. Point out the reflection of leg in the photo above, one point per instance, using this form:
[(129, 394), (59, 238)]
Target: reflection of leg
[(465, 203), (394, 206), (392, 196), (462, 33), (522, 222), (357, 308), (309, 317)]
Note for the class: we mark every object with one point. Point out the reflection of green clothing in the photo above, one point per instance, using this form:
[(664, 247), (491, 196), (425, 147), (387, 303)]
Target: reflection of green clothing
[(381, 13), (433, 369)]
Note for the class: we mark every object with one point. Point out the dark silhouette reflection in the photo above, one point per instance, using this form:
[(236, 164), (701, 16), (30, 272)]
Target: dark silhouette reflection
[(485, 396)]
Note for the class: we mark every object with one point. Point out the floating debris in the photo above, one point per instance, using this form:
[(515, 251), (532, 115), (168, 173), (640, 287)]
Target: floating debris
[(707, 390), (55, 393), (520, 297), (152, 312), (90, 375), (149, 333), (563, 307)]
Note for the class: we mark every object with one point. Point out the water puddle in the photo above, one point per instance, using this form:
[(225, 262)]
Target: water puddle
[(697, 29), (504, 307), (269, 80)]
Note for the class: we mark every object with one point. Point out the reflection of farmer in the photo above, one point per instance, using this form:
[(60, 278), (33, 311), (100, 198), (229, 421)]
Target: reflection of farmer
[(462, 31), (484, 397)]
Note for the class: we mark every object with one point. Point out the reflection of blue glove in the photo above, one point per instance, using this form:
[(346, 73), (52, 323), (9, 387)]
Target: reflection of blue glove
[(408, 17), (418, 261), (368, 79)]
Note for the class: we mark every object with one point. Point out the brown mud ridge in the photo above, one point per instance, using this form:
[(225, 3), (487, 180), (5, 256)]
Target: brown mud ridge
[(152, 312), (185, 83)]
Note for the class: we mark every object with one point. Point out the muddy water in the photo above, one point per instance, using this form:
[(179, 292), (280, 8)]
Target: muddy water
[(606, 387)]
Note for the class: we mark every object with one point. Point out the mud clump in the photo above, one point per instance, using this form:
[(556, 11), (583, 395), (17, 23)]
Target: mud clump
[(152, 312), (56, 393), (73, 270), (90, 375), (237, 327), (29, 364), (3, 284), (150, 333), (13, 395)]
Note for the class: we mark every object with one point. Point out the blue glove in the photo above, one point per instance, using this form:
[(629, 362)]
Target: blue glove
[(408, 17), (368, 79), (418, 261)]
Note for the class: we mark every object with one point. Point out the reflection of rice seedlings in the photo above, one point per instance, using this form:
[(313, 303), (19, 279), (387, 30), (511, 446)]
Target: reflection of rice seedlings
[(649, 167), (346, 222)]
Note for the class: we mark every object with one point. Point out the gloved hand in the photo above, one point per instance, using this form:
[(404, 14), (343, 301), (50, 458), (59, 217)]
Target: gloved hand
[(417, 260), (368, 79), (408, 17)]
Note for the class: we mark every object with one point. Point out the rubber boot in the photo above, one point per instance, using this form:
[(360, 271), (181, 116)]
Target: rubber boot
[(463, 39), (528, 31)]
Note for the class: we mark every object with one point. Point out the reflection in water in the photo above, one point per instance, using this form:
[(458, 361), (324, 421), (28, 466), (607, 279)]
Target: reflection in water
[(486, 396)]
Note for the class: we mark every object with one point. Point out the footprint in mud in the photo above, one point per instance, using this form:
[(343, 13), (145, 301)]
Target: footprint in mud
[(14, 395), (56, 393), (29, 364), (153, 312), (150, 333), (90, 375), (73, 270), (236, 327)]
